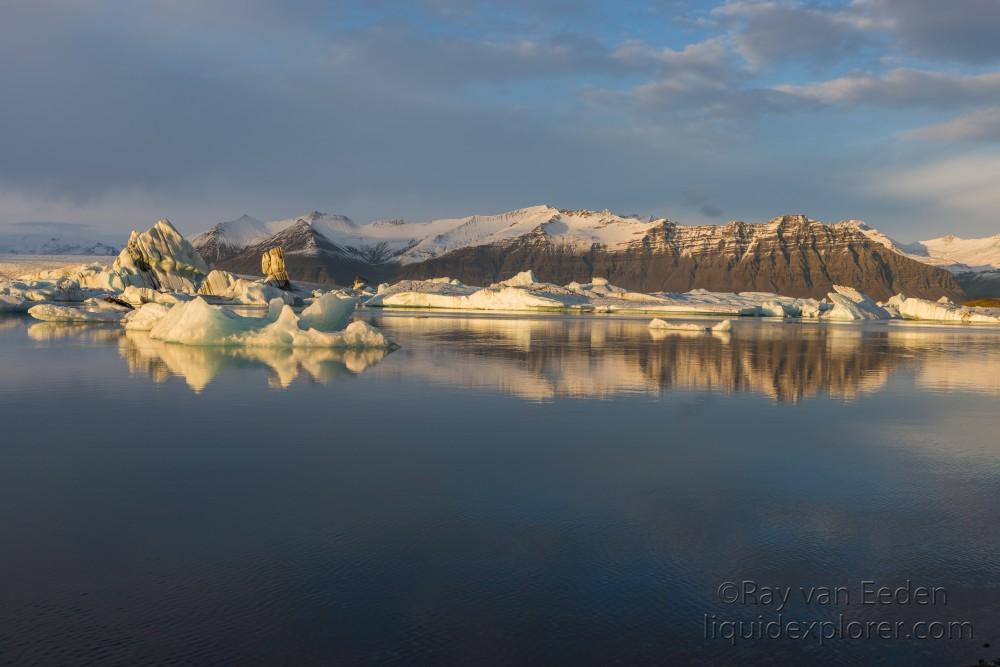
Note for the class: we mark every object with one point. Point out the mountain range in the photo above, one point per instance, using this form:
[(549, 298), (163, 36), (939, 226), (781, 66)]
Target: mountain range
[(57, 238), (790, 254)]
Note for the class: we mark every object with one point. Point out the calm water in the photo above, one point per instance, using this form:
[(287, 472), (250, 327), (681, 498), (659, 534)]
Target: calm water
[(548, 490)]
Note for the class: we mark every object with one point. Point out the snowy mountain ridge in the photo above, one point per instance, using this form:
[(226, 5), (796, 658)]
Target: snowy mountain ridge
[(410, 242), (949, 252), (57, 238)]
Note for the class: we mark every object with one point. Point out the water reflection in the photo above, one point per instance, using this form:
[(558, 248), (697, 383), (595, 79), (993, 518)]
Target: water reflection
[(78, 331), (200, 365), (545, 358)]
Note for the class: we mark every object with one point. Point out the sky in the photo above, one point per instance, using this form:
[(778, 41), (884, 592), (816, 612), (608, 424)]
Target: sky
[(117, 112)]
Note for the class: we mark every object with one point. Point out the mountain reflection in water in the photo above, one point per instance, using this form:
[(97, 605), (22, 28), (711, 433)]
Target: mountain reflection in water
[(542, 358)]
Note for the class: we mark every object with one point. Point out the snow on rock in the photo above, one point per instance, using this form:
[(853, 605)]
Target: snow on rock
[(240, 290), (850, 305), (913, 308), (160, 258), (198, 323)]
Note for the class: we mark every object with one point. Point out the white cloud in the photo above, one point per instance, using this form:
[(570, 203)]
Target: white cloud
[(964, 184), (982, 125), (901, 87)]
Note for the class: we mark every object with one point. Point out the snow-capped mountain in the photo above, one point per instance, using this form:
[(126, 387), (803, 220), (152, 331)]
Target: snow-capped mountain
[(57, 238), (950, 252), (790, 254), (975, 263)]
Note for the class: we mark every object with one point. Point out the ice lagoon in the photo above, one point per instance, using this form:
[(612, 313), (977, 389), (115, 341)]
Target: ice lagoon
[(499, 489)]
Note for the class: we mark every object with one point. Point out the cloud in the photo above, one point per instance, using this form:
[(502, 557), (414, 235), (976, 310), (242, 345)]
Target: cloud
[(977, 126), (965, 184), (963, 31), (901, 88), (766, 32)]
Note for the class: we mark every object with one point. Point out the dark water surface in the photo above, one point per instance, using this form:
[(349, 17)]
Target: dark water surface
[(500, 490)]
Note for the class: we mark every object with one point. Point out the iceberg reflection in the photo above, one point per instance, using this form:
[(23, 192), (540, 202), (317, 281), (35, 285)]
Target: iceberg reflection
[(200, 365)]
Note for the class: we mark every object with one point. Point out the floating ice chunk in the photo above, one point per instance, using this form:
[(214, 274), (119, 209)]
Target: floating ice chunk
[(522, 279), (719, 327), (808, 307), (160, 258), (922, 309), (140, 295), (772, 309), (851, 305), (10, 303), (329, 312), (198, 323), (240, 290), (144, 317), (90, 313)]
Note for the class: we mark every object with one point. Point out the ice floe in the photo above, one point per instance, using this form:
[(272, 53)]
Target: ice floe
[(850, 305), (240, 290), (160, 258), (724, 326), (91, 310), (913, 308), (198, 323)]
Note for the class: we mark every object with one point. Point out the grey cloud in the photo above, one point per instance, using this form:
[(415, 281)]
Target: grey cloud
[(962, 31), (767, 32)]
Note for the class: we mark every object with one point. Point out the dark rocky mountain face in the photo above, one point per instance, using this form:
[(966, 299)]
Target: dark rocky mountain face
[(790, 255), (309, 257), (214, 250), (796, 258), (980, 284)]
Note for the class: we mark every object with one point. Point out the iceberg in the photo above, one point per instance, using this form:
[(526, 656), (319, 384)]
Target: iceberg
[(329, 312), (198, 323), (523, 293), (240, 290), (724, 326), (913, 308), (144, 317), (160, 258), (140, 295), (91, 310), (850, 305)]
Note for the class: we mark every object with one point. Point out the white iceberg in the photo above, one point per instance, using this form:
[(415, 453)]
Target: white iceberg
[(913, 308), (523, 293), (850, 305), (329, 312), (724, 326), (198, 323), (240, 290), (144, 317), (91, 310), (140, 295), (160, 258)]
